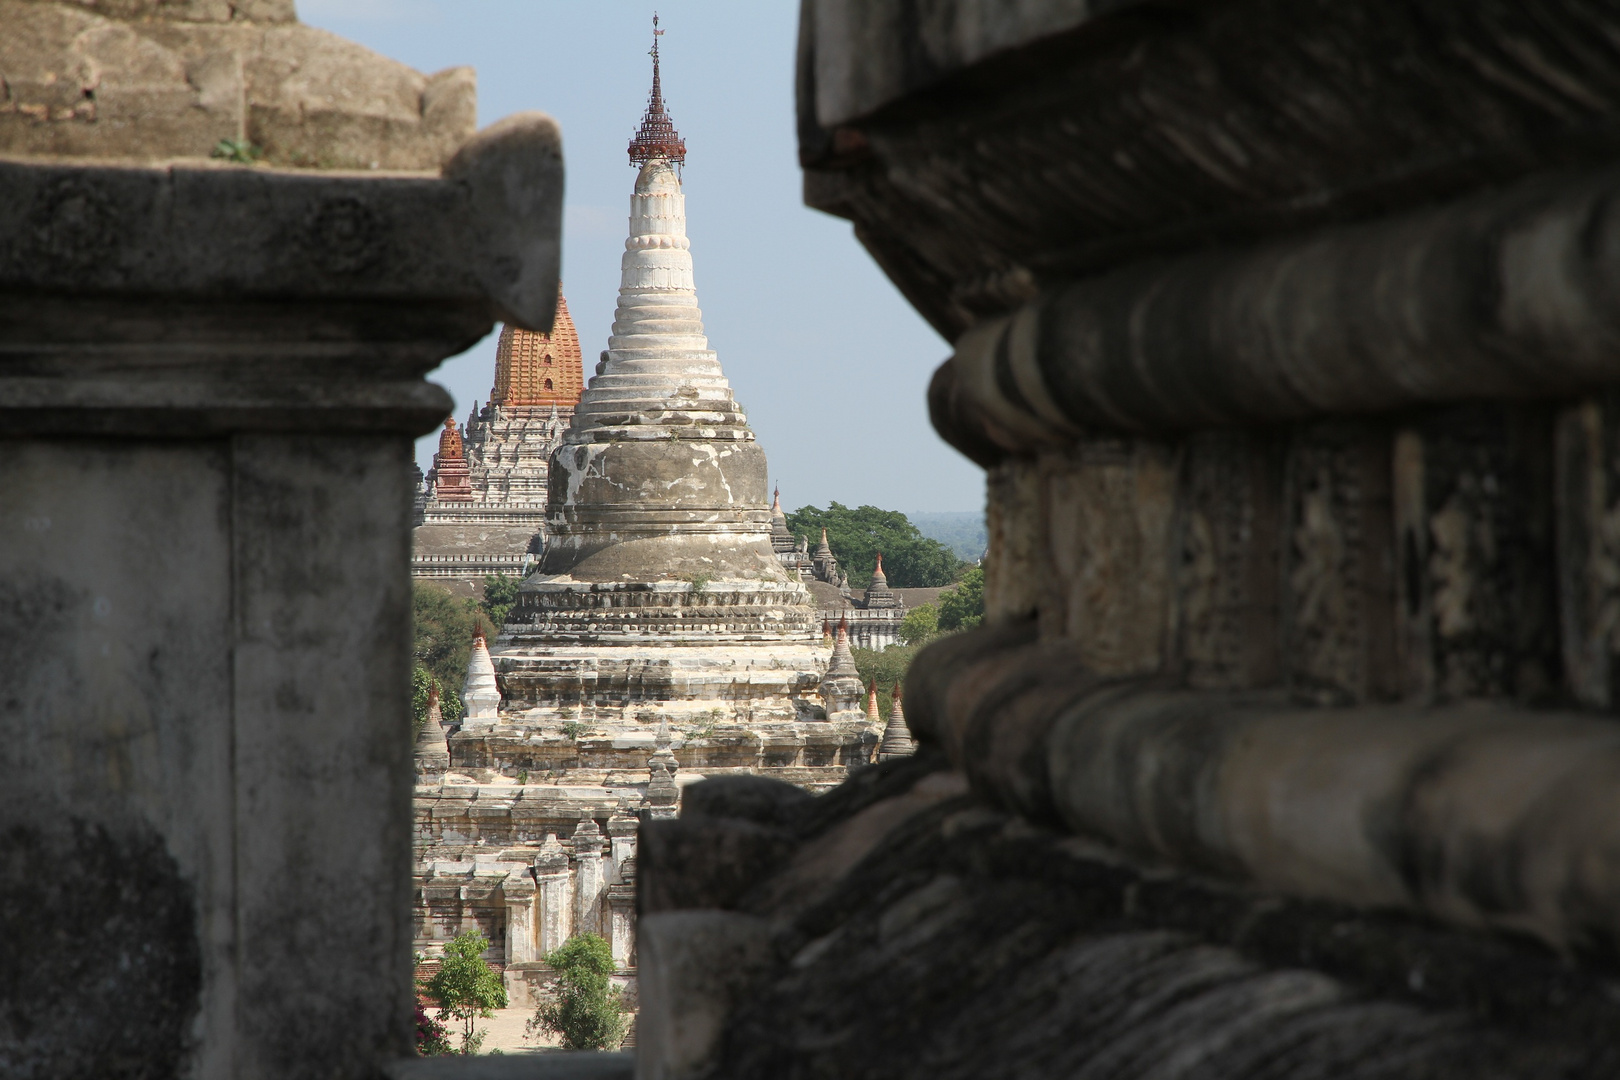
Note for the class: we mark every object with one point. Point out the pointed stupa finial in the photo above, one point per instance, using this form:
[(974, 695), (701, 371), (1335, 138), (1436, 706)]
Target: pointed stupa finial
[(657, 137)]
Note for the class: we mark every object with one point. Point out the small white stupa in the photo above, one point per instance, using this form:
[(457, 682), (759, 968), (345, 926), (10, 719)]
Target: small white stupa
[(480, 696)]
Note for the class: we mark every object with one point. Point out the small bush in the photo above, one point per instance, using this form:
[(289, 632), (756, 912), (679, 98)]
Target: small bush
[(466, 988), (432, 1038), (588, 1012)]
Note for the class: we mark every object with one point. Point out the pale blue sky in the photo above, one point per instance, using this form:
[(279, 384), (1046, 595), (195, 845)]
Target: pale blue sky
[(830, 362)]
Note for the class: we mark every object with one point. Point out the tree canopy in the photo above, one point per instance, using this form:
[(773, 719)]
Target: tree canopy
[(500, 593), (962, 608), (857, 534), (920, 624)]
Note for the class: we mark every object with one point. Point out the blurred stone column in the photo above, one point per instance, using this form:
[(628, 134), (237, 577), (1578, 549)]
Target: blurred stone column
[(210, 380)]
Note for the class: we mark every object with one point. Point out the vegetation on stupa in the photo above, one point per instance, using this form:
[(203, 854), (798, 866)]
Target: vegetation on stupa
[(857, 534)]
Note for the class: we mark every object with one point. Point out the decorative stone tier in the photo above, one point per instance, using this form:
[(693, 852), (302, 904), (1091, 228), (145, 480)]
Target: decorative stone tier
[(750, 682), (665, 613), (815, 756)]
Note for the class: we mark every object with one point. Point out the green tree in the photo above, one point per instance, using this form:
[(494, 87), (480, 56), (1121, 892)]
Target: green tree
[(465, 988), (920, 624), (500, 593), (588, 1011), (962, 608), (856, 535), (444, 625)]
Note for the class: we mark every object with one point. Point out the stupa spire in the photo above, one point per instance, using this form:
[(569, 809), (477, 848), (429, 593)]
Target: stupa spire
[(896, 736), (657, 137)]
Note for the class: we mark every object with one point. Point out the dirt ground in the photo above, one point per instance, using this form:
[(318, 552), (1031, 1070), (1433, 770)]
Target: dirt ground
[(505, 1033)]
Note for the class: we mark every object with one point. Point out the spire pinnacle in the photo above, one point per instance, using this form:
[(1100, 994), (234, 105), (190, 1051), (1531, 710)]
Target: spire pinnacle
[(657, 137)]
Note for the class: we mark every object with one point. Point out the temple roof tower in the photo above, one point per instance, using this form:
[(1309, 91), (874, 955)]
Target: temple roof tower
[(451, 479), (878, 593), (659, 476), (841, 686), (539, 371), (781, 538)]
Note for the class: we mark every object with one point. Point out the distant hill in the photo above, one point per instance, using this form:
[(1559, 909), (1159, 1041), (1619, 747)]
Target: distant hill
[(962, 532)]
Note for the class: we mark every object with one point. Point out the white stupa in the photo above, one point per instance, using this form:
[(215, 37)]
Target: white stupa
[(660, 592), (480, 696)]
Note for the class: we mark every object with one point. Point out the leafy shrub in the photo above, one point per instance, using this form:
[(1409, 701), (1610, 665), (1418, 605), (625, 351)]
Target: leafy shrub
[(588, 1012), (465, 988), (432, 1038)]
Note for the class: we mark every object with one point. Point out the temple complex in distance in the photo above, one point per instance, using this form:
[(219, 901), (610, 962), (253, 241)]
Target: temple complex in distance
[(871, 618), (661, 639), (481, 508)]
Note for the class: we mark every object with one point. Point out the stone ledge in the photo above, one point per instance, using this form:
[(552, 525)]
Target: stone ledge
[(1505, 296), (194, 300), (1479, 815), (558, 1066)]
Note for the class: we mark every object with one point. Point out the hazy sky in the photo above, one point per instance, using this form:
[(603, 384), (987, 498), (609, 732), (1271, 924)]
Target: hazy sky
[(830, 363)]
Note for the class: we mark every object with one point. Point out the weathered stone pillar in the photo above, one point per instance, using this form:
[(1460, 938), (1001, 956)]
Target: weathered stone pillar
[(588, 879), (621, 844), (621, 902), (210, 379), (519, 891), (555, 903)]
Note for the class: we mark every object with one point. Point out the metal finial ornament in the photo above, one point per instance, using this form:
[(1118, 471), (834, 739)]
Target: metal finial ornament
[(657, 137)]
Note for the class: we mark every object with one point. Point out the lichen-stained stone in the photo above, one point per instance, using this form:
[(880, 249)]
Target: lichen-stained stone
[(156, 80), (103, 965), (1474, 536), (1110, 514), (1230, 525), (1286, 335), (1588, 549), (964, 943), (1338, 563)]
